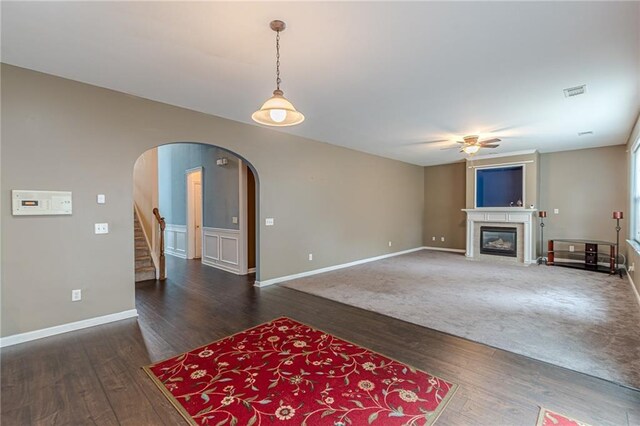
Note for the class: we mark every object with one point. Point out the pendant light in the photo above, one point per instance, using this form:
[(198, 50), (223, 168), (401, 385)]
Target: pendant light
[(277, 110)]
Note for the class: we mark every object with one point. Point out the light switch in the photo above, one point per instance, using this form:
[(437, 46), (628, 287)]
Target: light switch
[(556, 211), (234, 219), (101, 228), (101, 199), (268, 221), (76, 295)]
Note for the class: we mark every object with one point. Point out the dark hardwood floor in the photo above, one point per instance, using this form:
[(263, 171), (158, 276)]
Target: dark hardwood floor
[(93, 376)]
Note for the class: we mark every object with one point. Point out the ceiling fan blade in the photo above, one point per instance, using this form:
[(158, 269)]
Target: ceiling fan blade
[(427, 142), (462, 142), (491, 140), (449, 147), (491, 145)]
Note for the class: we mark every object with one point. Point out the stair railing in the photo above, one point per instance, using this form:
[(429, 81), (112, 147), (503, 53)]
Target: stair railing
[(162, 224)]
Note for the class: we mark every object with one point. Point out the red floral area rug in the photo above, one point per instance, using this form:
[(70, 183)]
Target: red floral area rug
[(551, 418), (286, 372)]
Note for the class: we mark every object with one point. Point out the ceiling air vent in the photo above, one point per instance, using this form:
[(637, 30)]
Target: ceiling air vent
[(590, 132), (575, 91)]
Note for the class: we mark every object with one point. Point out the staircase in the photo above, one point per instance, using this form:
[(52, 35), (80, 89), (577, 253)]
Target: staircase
[(145, 270)]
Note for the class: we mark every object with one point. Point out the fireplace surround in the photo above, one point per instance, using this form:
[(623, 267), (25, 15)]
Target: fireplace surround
[(519, 218)]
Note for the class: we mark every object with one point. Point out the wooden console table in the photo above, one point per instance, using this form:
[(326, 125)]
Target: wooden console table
[(589, 254)]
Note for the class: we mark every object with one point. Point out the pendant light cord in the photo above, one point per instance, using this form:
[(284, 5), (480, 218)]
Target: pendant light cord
[(278, 60)]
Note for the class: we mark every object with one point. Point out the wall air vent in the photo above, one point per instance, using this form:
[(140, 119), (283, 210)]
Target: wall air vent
[(590, 132), (575, 91)]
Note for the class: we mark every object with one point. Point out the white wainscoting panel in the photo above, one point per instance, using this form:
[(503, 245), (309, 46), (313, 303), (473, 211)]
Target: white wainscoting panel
[(229, 250), (221, 248), (175, 240), (211, 246)]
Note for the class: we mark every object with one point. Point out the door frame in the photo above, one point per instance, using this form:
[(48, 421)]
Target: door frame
[(190, 213), (243, 248)]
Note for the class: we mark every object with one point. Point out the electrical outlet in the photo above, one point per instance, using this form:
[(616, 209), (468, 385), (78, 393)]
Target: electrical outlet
[(234, 219), (310, 256), (101, 199), (389, 243), (632, 267), (433, 238), (268, 221), (76, 295), (101, 228), (572, 248), (442, 239)]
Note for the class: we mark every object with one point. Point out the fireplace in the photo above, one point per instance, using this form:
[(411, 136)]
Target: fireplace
[(499, 241)]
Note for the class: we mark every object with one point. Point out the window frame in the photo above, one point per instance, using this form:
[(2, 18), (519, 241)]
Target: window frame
[(634, 201)]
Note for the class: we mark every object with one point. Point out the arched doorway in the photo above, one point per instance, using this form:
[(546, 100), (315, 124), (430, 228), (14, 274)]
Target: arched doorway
[(208, 198)]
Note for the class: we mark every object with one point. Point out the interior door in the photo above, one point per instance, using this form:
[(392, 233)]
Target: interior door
[(197, 208)]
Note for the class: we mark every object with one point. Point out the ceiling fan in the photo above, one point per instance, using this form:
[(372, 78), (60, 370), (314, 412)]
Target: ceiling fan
[(471, 144)]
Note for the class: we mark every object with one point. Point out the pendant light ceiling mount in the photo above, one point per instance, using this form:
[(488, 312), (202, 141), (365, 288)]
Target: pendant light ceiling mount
[(277, 110), (278, 25)]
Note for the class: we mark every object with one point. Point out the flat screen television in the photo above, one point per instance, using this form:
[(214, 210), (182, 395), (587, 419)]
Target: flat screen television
[(500, 186)]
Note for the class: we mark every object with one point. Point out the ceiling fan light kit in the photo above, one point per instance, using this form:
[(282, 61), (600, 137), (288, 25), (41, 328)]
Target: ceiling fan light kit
[(471, 145), (471, 149), (277, 111)]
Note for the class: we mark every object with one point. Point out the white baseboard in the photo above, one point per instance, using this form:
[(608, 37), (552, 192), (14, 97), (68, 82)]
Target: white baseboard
[(180, 255), (445, 249), (332, 268), (220, 266), (633, 286), (65, 328), (251, 270)]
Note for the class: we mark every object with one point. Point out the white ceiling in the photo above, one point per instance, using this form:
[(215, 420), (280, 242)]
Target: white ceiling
[(375, 77)]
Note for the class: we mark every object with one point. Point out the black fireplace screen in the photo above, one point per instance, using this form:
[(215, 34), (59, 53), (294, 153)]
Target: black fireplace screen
[(498, 241)]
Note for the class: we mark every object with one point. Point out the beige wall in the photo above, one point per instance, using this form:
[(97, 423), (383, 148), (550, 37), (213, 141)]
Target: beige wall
[(586, 186), (530, 176), (444, 197), (340, 205), (145, 189)]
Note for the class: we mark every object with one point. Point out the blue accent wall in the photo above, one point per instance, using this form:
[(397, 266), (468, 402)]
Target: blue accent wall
[(220, 184), (499, 187)]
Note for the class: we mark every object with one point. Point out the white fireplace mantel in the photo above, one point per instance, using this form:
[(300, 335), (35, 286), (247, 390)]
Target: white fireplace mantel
[(506, 215)]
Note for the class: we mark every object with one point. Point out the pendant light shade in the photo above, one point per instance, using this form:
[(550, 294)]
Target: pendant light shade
[(277, 110)]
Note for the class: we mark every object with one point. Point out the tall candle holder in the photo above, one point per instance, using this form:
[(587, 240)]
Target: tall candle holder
[(542, 259), (617, 216)]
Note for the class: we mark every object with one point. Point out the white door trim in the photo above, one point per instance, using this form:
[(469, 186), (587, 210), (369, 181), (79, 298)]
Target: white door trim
[(190, 213), (243, 250)]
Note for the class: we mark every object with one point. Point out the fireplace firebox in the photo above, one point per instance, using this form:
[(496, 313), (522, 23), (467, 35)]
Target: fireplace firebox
[(499, 241)]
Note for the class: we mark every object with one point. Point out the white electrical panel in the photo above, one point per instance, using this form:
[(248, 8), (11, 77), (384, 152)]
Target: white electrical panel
[(40, 202)]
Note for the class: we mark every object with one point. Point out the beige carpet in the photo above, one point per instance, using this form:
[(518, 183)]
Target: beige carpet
[(584, 321)]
